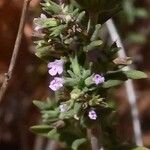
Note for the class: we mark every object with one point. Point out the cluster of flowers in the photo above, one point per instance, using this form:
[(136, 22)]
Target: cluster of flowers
[(56, 68)]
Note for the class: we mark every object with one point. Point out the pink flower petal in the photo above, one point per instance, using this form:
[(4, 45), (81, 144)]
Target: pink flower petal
[(52, 72)]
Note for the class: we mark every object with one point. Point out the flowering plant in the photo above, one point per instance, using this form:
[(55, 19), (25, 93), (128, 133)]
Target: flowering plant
[(84, 68)]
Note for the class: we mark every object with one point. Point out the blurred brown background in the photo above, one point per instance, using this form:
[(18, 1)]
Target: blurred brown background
[(30, 80)]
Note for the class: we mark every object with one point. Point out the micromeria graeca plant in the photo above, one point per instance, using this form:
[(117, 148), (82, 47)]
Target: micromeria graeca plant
[(83, 69)]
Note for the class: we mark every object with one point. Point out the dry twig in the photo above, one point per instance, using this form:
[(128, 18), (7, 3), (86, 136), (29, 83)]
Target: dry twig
[(128, 84), (8, 75)]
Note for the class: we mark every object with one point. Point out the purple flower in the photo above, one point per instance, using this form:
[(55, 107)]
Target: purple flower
[(63, 107), (98, 79), (37, 25), (92, 115), (56, 67), (38, 28), (56, 83)]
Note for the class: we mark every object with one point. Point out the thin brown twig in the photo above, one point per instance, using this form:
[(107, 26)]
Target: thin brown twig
[(128, 84), (8, 75)]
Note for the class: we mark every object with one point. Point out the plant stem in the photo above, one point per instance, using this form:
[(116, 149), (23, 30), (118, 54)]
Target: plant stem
[(8, 75), (93, 136)]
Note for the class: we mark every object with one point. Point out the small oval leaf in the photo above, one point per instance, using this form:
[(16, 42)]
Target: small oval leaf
[(111, 83), (135, 74), (41, 129)]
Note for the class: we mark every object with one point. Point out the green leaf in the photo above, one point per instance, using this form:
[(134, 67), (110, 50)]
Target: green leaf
[(67, 115), (39, 104), (50, 114), (81, 16), (111, 83), (86, 73), (75, 12), (46, 23), (51, 7), (72, 75), (75, 66), (71, 81), (96, 100), (43, 52), (56, 31), (96, 32), (53, 134), (89, 81), (50, 23), (71, 8), (75, 93), (41, 129), (44, 105), (135, 74), (92, 45), (77, 107), (77, 143)]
